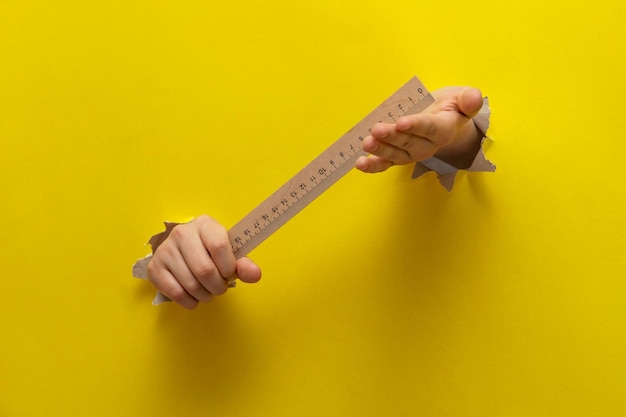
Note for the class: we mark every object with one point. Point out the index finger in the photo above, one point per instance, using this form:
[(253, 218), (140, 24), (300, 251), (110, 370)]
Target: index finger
[(438, 128)]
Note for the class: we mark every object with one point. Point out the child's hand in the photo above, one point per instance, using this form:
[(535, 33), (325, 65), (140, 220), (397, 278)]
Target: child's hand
[(196, 262), (445, 129)]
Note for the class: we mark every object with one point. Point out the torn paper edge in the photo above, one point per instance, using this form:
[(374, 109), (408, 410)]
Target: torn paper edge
[(446, 173)]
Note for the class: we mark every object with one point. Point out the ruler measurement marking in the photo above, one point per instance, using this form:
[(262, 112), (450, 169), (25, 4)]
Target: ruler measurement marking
[(321, 173)]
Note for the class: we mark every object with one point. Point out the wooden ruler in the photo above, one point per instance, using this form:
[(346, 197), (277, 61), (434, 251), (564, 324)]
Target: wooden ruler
[(325, 170)]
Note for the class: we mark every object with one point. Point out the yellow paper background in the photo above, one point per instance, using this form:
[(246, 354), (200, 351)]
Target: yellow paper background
[(386, 297)]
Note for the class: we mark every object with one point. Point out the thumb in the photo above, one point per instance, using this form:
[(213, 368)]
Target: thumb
[(470, 101), (248, 271)]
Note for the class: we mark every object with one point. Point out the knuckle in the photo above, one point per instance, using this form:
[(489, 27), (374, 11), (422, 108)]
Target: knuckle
[(152, 267), (155, 271), (177, 294), (220, 228), (151, 270), (205, 270), (203, 219), (164, 251), (196, 289), (178, 233), (192, 287), (219, 246)]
